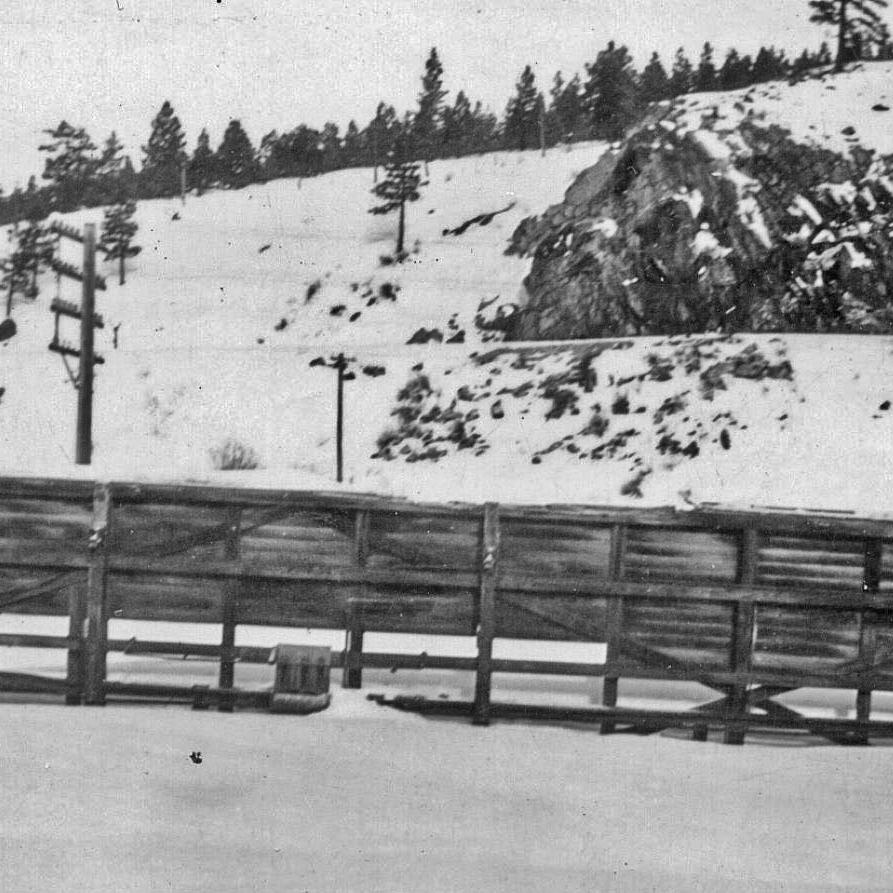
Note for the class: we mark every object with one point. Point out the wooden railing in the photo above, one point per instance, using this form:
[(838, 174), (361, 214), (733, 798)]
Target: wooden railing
[(750, 604)]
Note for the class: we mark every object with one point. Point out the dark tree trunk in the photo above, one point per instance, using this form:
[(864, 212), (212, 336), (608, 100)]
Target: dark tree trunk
[(121, 268), (840, 61), (401, 227)]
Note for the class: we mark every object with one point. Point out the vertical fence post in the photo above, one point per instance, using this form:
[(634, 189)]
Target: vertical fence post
[(352, 672), (614, 626), (486, 629), (871, 583), (76, 668), (96, 644), (229, 608), (743, 629)]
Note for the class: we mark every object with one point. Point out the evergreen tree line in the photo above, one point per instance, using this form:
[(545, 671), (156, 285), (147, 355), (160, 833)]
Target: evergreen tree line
[(600, 105)]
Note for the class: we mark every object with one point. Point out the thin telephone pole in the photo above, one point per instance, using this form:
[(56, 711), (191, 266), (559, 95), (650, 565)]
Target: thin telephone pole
[(84, 441)]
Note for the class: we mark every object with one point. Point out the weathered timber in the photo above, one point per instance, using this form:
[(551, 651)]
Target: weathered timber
[(97, 603), (230, 598), (651, 718), (76, 661), (486, 625)]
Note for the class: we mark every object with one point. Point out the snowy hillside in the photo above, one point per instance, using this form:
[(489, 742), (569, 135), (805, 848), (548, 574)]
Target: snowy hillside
[(236, 293)]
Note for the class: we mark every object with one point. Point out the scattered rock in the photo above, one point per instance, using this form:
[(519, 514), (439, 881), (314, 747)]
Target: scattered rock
[(7, 329), (423, 336), (480, 220), (282, 324), (264, 248), (725, 439), (337, 309), (621, 405), (312, 289)]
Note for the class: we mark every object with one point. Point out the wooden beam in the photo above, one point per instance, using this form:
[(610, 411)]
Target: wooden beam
[(96, 643), (489, 561), (352, 672), (743, 638), (614, 631), (76, 666), (636, 717), (868, 631), (231, 590)]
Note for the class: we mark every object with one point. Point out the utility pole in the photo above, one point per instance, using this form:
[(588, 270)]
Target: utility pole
[(84, 445), (340, 364), (89, 320)]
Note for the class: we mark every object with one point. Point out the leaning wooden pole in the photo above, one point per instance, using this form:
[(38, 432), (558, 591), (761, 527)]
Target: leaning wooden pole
[(84, 435)]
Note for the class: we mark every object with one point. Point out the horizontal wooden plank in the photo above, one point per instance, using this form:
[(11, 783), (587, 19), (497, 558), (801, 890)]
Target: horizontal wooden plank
[(642, 717), (829, 525), (32, 684)]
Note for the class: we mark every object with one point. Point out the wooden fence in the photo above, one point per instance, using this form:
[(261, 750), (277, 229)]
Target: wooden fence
[(749, 604)]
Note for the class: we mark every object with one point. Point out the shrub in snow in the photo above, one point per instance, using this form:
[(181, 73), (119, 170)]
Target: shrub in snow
[(232, 455)]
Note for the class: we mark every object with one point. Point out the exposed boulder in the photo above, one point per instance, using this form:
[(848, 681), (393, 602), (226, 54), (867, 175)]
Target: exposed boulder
[(694, 228)]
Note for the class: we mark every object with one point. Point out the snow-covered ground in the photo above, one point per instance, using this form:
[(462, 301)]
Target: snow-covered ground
[(235, 293), (363, 798), (830, 111)]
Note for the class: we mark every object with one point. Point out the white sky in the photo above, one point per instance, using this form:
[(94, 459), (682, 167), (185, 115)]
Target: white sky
[(109, 64)]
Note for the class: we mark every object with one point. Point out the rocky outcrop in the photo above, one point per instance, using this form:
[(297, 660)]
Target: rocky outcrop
[(689, 227)]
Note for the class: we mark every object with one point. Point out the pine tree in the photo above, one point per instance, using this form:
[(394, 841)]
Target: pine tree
[(611, 93), (803, 63), (770, 65), (330, 142), (201, 170), (109, 170), (654, 84), (70, 164), (522, 113), (35, 201), (400, 185), (15, 276), (111, 160), (567, 107), (823, 58), (234, 161), (164, 155), (457, 126), (682, 76), (705, 77), (33, 250), (428, 119), (118, 230), (858, 23), (352, 146), (379, 135), (484, 135), (736, 71)]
